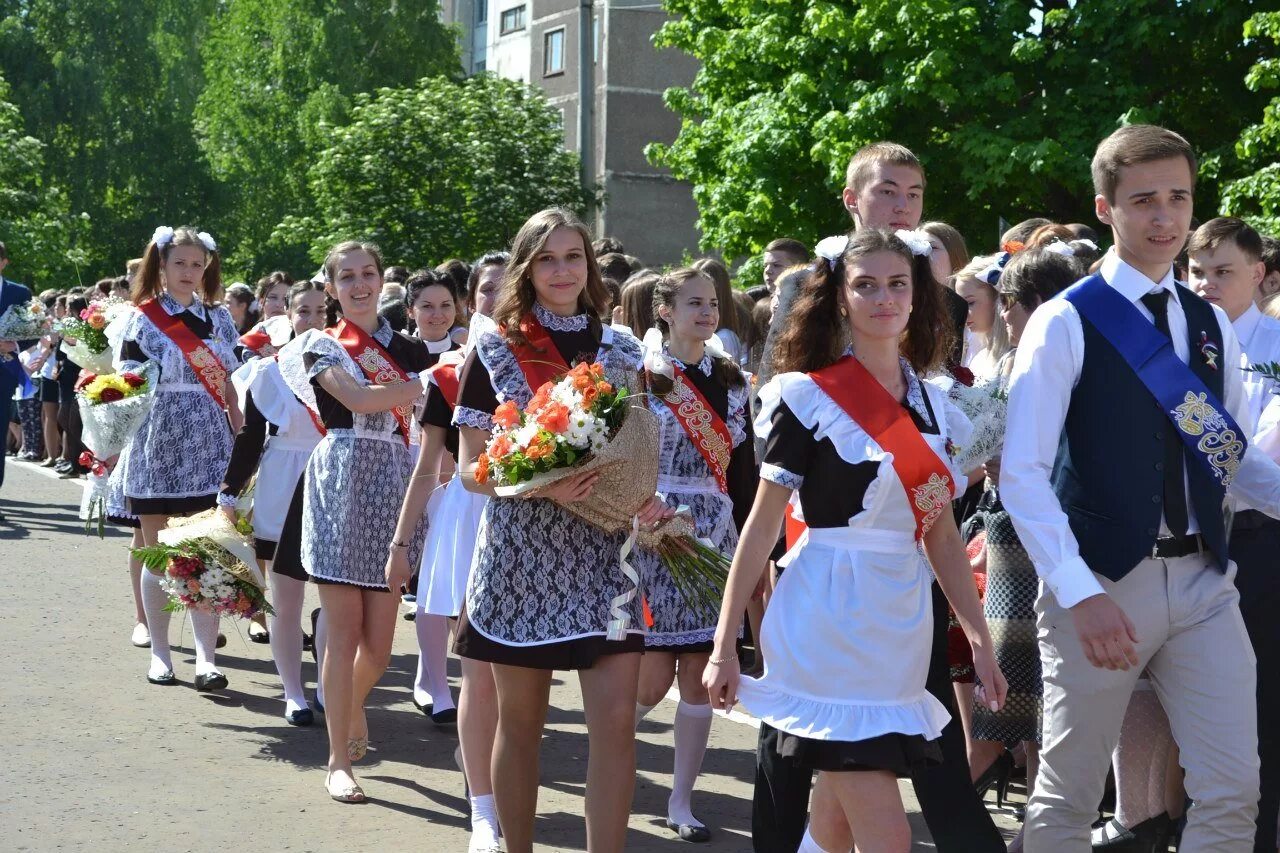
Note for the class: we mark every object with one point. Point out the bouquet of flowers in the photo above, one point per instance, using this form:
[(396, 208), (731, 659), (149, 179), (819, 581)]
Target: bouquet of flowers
[(583, 423), (206, 563), (986, 405), (85, 337), (112, 407), (25, 322)]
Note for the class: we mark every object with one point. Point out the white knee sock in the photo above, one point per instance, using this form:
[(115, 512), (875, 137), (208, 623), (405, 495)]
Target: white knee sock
[(154, 599), (808, 845), (204, 626), (286, 637), (693, 727), (432, 684), (484, 820), (642, 711), (319, 640)]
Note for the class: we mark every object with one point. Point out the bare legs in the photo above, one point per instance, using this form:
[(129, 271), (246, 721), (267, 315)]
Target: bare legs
[(871, 806), (522, 712)]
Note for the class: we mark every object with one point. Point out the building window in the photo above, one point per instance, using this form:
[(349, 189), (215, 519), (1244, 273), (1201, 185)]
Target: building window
[(553, 52), (478, 67), (512, 20), (482, 12)]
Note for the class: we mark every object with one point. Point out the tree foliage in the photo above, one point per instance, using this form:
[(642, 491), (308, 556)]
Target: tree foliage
[(283, 73), (439, 169), (1257, 195), (1003, 100)]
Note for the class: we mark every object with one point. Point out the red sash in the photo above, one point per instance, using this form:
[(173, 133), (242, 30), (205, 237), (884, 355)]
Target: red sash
[(378, 366), (255, 339), (206, 365), (539, 359), (446, 378), (923, 474), (705, 428), (315, 419)]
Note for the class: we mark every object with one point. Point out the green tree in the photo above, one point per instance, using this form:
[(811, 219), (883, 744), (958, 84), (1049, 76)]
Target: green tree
[(438, 170), (109, 87), (280, 74), (35, 222), (1257, 195), (1003, 100)]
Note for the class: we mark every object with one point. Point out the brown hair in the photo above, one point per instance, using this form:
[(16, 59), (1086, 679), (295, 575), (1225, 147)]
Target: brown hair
[(789, 246), (665, 292), (719, 275), (1209, 236), (952, 240), (270, 280), (1132, 145), (637, 301), (1047, 235), (815, 334), (332, 308), (1036, 276), (516, 297), (147, 284), (868, 156)]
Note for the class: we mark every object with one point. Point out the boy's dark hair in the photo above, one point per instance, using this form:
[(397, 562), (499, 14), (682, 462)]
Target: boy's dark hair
[(608, 246), (614, 265), (395, 275), (1036, 276), (868, 156), (1083, 232), (1271, 254), (789, 246), (458, 270), (1132, 145), (1209, 236)]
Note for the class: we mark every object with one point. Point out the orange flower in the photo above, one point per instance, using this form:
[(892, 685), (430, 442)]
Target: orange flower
[(482, 469), (554, 418), (506, 415), (604, 388), (500, 447), (1013, 246), (541, 397), (589, 395), (539, 448)]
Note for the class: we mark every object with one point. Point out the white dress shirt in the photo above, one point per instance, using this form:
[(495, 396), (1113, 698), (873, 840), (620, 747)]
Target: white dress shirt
[(1260, 341), (1047, 367)]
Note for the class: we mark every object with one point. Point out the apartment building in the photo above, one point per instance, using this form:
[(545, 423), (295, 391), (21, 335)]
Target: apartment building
[(536, 41)]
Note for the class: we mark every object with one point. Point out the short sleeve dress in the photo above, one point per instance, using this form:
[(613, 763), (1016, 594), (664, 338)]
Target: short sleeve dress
[(848, 633), (543, 579), (685, 479), (175, 462), (356, 478)]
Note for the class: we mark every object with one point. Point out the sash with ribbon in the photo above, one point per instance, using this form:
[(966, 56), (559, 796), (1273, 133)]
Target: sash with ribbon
[(378, 366), (315, 419), (924, 476), (705, 428), (255, 339), (204, 363), (1208, 432), (540, 361)]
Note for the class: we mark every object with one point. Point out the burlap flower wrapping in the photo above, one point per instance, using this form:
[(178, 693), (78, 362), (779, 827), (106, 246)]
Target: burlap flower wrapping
[(231, 547)]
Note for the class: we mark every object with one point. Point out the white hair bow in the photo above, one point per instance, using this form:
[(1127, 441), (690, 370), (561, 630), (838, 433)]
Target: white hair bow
[(917, 242), (831, 249), (1060, 248), (162, 236), (208, 241), (655, 360)]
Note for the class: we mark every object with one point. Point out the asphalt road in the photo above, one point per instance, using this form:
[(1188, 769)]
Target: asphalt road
[(97, 759)]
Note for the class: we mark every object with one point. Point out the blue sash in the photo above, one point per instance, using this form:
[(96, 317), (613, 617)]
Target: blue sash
[(14, 367), (1209, 433)]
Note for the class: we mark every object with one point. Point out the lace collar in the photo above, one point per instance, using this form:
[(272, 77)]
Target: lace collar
[(173, 307), (703, 365), (555, 323), (436, 347)]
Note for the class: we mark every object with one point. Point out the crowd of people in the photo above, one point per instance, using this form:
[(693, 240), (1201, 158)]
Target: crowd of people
[(988, 515)]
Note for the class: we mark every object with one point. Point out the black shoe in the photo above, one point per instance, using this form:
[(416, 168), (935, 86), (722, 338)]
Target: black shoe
[(222, 640), (300, 717), (164, 679), (63, 468), (426, 709), (308, 642), (211, 681), (1150, 836), (447, 717), (997, 776), (316, 703), (262, 635), (689, 832), (315, 617)]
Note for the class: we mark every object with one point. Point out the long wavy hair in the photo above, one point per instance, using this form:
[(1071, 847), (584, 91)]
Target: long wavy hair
[(517, 295), (147, 284), (816, 334)]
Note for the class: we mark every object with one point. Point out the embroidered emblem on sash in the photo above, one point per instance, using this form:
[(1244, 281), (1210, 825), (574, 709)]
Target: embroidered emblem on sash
[(701, 428), (382, 372), (1195, 416), (931, 498)]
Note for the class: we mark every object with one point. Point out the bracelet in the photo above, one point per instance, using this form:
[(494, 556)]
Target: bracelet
[(719, 661), (399, 544)]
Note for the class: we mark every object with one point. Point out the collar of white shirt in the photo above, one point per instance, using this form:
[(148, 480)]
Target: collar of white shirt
[(1246, 324), (1132, 284)]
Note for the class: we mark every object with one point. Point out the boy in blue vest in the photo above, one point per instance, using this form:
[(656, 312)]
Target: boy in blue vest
[(1124, 434)]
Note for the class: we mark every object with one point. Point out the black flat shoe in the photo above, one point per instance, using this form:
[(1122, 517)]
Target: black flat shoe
[(426, 709), (300, 717), (308, 642), (261, 636), (447, 717), (1150, 836), (164, 679), (689, 832), (211, 681), (315, 617)]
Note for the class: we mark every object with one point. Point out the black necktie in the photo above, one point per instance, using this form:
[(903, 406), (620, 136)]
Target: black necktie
[(1175, 496)]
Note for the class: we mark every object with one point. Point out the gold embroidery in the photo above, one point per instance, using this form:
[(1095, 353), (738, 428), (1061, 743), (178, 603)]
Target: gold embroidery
[(697, 419), (382, 372), (1220, 445), (931, 498), (210, 371), (1192, 414)]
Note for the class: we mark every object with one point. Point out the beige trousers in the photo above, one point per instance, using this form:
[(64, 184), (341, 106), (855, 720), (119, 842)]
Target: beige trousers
[(1193, 644)]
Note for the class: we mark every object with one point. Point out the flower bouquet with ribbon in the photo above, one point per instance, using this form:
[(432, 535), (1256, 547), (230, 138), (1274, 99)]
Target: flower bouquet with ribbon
[(581, 423), (25, 322), (207, 563), (986, 405), (85, 337), (112, 406)]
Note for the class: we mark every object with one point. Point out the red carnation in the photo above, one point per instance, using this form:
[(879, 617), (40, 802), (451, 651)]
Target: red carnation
[(85, 379), (132, 379), (110, 395), (86, 459)]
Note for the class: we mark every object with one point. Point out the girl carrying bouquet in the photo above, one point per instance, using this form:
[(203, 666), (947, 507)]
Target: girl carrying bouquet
[(543, 579), (174, 464)]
